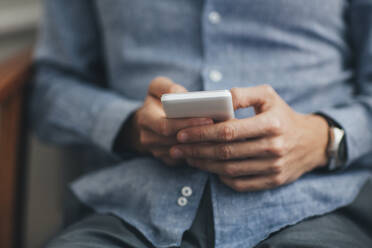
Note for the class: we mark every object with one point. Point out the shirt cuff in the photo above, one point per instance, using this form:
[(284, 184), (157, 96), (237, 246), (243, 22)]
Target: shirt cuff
[(353, 119), (110, 120)]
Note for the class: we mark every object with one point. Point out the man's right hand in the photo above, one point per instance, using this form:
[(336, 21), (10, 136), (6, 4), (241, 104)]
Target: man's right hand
[(150, 131)]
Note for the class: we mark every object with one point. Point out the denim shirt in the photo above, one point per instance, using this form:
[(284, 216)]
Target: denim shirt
[(95, 60)]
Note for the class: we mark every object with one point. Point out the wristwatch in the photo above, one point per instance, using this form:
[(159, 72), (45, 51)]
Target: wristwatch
[(336, 149)]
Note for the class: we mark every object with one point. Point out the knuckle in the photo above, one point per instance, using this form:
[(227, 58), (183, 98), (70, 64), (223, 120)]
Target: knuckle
[(230, 170), (277, 166), (276, 181), (269, 90), (224, 151), (277, 147), (227, 133), (279, 180), (275, 126)]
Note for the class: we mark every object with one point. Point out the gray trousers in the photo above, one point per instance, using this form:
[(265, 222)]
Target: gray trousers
[(348, 227)]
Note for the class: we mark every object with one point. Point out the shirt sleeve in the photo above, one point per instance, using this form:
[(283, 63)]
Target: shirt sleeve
[(69, 103), (355, 117)]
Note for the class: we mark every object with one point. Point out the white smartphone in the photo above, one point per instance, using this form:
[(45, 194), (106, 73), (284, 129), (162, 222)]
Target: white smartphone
[(213, 104)]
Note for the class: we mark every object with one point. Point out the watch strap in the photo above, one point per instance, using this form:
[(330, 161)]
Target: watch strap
[(336, 150)]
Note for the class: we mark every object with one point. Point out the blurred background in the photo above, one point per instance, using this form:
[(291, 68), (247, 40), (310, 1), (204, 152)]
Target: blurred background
[(18, 22), (46, 169)]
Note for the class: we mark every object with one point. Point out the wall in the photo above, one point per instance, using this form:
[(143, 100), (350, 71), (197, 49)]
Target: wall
[(18, 20)]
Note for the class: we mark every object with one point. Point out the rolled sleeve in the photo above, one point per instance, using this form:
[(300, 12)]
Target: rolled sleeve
[(70, 102), (110, 120)]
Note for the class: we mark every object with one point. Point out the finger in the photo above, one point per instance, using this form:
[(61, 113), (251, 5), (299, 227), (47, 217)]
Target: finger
[(254, 183), (163, 85), (153, 118), (240, 168), (149, 138), (259, 96), (229, 151), (232, 130)]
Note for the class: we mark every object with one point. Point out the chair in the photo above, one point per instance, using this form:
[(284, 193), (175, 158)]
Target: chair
[(14, 73)]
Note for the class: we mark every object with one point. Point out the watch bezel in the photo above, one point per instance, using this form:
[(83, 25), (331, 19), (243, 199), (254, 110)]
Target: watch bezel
[(336, 149)]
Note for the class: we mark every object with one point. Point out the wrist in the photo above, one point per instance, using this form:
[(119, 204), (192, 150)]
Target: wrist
[(336, 149), (320, 130)]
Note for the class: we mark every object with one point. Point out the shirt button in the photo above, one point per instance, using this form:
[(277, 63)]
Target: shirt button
[(186, 191), (215, 75), (214, 17), (182, 201)]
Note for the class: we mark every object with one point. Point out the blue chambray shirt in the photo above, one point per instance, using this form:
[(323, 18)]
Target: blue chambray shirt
[(95, 60)]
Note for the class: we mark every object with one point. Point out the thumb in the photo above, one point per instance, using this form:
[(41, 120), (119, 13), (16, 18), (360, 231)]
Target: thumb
[(164, 85), (258, 97)]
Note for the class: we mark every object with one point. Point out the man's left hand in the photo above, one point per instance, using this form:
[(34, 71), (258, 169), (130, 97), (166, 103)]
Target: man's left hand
[(272, 148)]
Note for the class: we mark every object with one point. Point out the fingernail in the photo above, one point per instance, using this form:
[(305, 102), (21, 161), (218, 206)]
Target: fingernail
[(182, 137), (176, 153)]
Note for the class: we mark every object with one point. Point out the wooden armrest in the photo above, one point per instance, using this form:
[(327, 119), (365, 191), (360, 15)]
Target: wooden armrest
[(14, 73)]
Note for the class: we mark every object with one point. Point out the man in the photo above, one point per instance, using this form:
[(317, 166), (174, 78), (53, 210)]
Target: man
[(274, 177)]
